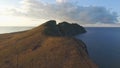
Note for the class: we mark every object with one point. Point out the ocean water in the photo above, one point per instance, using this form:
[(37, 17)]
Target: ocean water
[(103, 44), (13, 29)]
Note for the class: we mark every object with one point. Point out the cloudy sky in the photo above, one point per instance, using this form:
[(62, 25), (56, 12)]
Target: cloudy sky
[(35, 12)]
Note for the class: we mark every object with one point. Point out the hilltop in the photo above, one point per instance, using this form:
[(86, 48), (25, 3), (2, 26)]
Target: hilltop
[(49, 45)]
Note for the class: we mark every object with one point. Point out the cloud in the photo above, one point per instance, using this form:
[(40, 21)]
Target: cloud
[(61, 1), (65, 11)]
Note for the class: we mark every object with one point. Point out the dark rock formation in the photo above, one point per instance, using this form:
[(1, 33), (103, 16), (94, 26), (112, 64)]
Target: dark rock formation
[(63, 29), (71, 29)]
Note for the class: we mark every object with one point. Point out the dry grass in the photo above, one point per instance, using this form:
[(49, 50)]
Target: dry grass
[(34, 49)]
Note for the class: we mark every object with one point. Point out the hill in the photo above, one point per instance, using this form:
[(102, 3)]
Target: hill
[(46, 46)]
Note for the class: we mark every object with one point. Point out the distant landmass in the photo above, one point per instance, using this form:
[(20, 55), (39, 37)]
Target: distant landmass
[(49, 45)]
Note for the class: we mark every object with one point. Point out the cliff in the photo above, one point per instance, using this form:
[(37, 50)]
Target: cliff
[(46, 46)]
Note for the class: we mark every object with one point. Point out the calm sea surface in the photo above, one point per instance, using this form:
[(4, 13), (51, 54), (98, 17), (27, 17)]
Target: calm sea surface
[(12, 29), (103, 44)]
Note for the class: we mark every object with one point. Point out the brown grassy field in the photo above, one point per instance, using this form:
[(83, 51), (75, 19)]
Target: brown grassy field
[(35, 49)]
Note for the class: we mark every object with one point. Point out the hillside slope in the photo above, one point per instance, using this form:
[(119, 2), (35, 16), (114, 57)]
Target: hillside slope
[(43, 47)]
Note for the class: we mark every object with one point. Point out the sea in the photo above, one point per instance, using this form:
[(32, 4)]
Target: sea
[(103, 44), (9, 29)]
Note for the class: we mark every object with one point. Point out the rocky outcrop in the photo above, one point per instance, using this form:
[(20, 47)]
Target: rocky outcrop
[(63, 29), (43, 47), (71, 29)]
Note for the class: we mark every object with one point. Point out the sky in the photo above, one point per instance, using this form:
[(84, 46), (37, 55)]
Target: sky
[(36, 12)]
